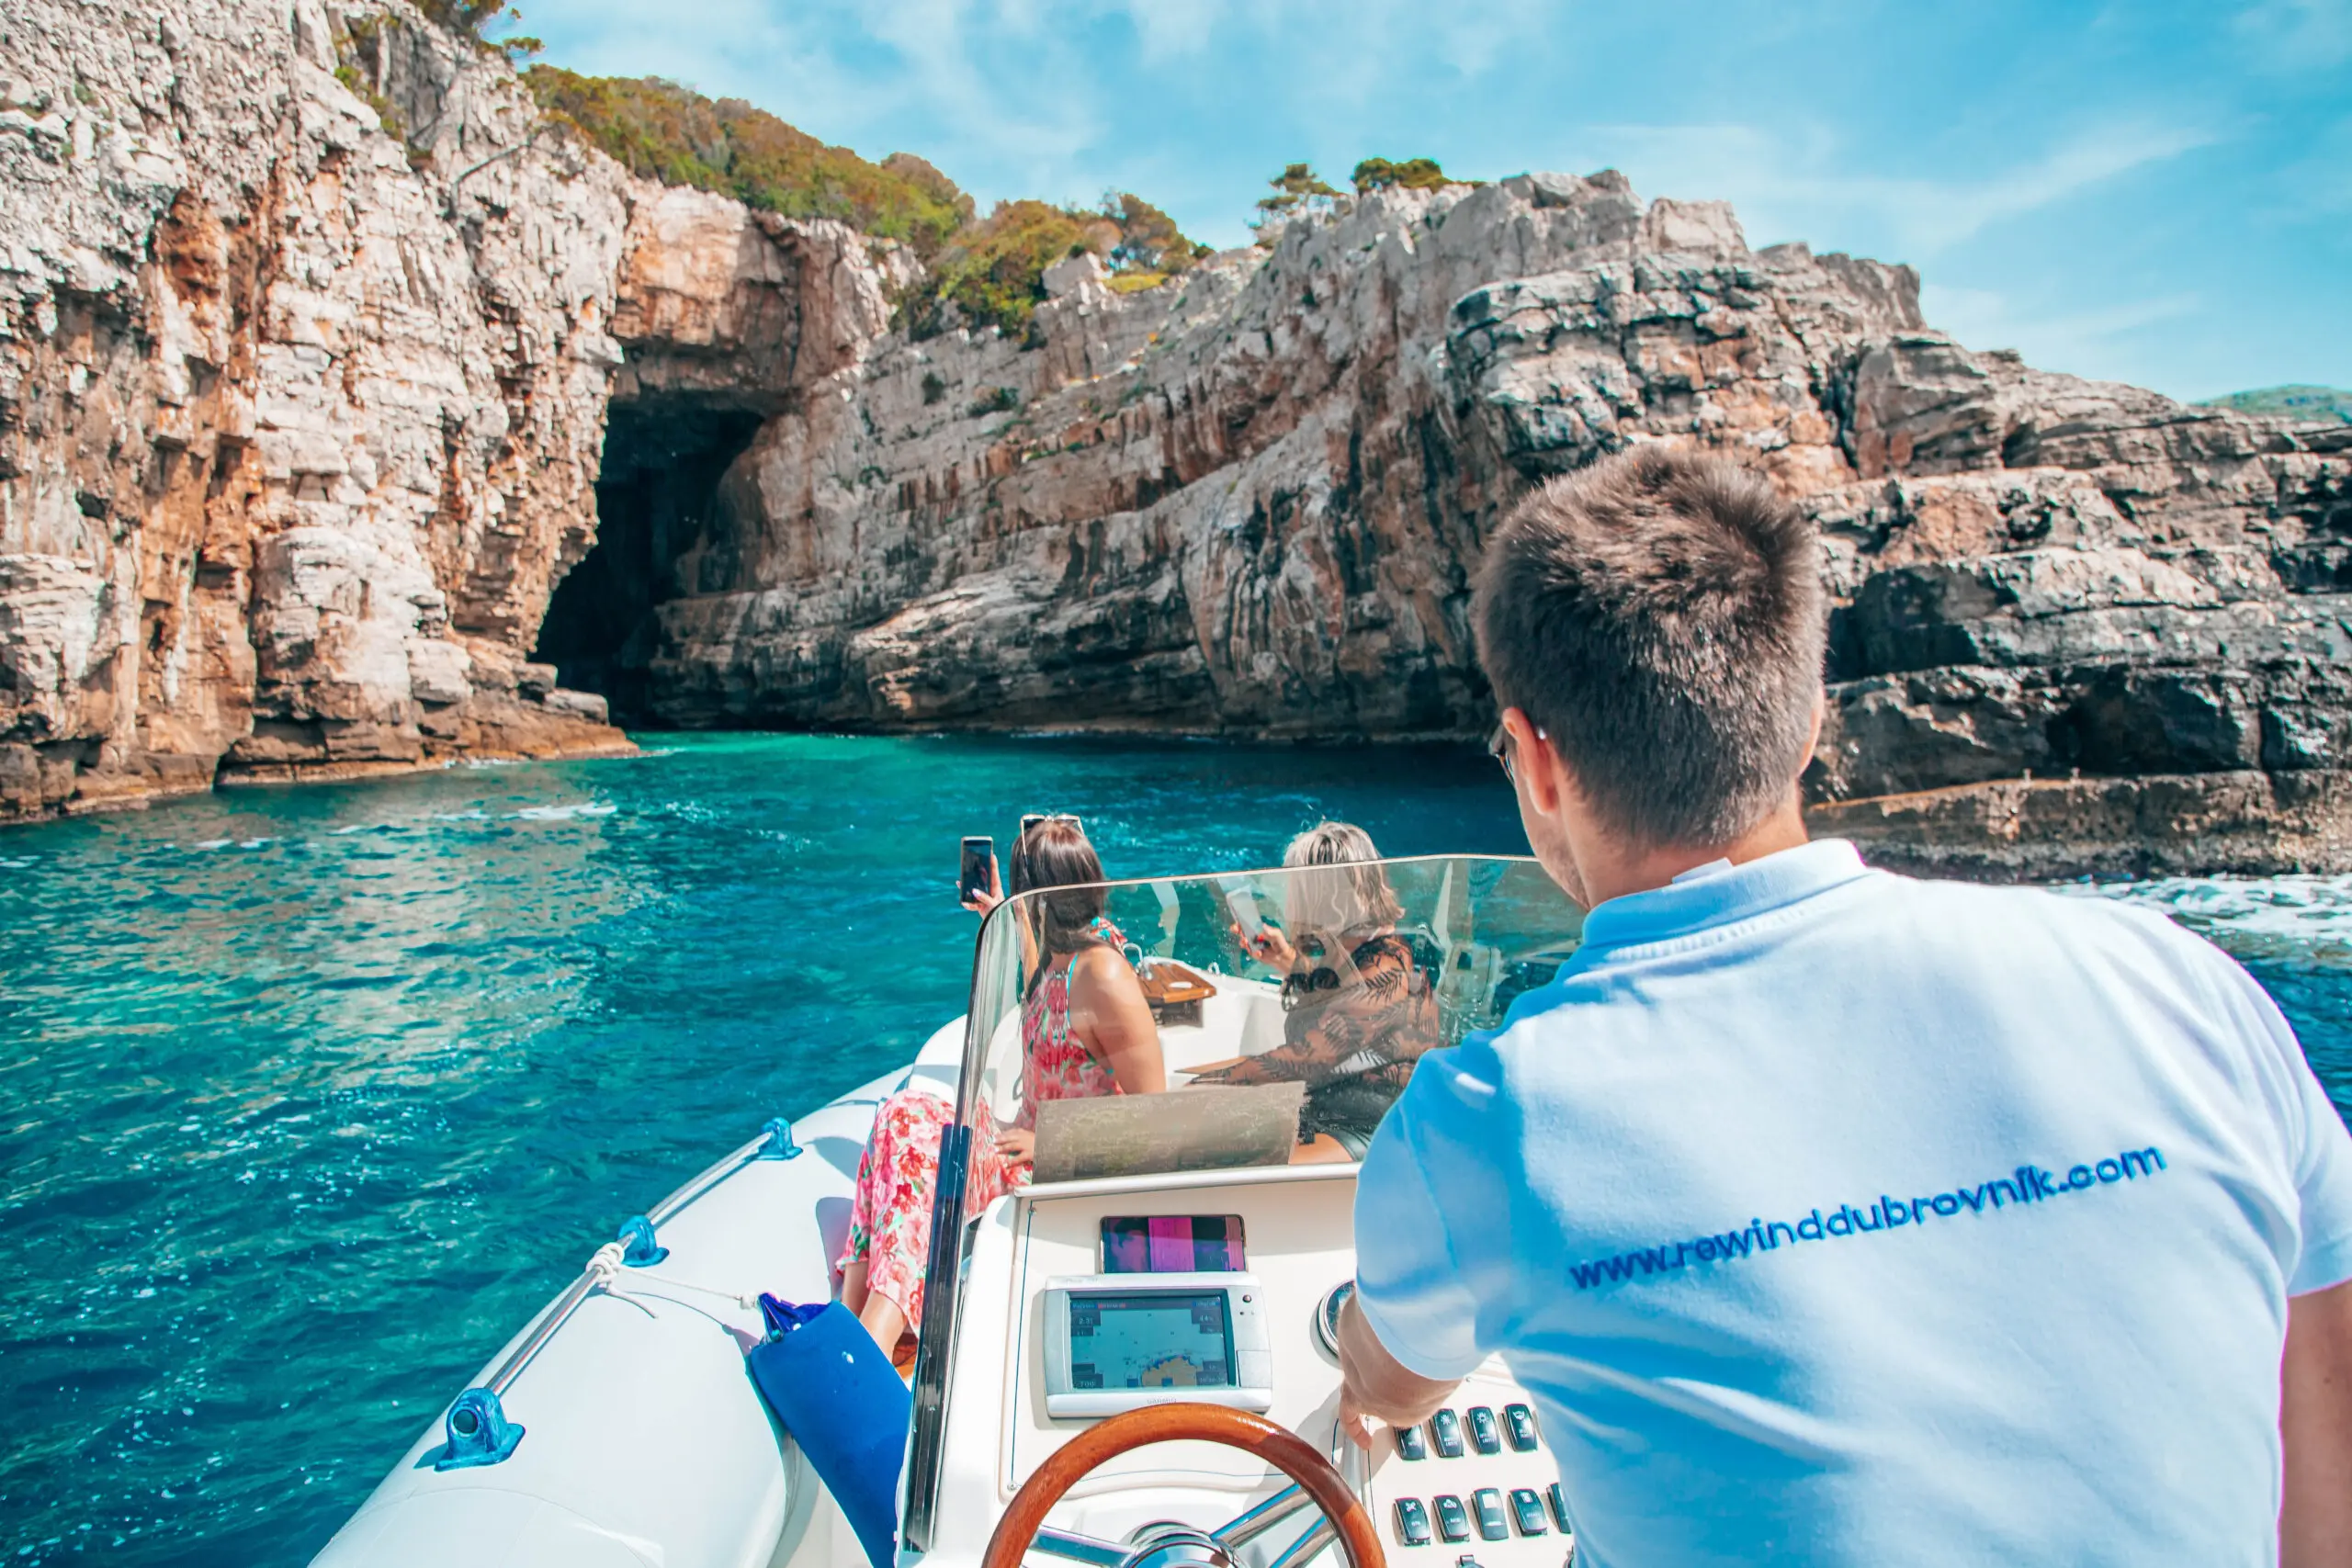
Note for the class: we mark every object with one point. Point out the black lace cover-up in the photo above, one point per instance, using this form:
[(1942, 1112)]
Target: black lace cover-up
[(1353, 1032)]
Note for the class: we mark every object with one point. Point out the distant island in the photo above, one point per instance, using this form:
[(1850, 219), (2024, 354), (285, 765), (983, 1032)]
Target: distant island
[(2288, 402), (368, 402)]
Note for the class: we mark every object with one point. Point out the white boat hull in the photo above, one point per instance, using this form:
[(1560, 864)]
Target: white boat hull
[(645, 1442)]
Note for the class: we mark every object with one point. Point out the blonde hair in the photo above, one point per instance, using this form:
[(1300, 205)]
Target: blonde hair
[(1335, 888)]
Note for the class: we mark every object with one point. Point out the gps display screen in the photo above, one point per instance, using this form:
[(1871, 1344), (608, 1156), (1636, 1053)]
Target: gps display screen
[(1150, 1339)]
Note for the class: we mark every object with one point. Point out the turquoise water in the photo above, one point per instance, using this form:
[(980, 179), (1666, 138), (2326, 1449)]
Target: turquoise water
[(309, 1097)]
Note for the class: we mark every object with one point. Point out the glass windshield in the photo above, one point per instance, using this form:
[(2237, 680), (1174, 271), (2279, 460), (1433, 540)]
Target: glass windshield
[(1282, 1011), (1210, 1022)]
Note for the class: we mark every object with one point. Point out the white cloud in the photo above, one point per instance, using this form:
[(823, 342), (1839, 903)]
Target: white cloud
[(2291, 36), (1786, 190), (1000, 72), (2318, 185), (2082, 343), (1173, 29)]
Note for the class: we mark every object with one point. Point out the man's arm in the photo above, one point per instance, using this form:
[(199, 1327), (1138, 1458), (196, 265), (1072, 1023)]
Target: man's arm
[(2315, 1422), (1373, 1385)]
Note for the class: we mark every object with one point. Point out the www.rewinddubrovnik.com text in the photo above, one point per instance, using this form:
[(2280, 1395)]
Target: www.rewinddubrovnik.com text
[(2027, 1184)]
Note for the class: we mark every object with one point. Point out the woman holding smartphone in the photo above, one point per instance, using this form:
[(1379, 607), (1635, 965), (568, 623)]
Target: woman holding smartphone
[(1358, 1012), (1086, 1031)]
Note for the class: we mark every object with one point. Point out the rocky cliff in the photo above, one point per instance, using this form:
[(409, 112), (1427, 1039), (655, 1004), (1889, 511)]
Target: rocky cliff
[(2081, 626), (298, 422), (301, 449)]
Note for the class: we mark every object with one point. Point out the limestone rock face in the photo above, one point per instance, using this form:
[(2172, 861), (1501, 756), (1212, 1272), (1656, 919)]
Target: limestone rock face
[(350, 411), (2079, 627), (298, 422)]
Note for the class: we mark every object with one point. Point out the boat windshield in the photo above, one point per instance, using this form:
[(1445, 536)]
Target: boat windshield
[(1287, 1009), (1289, 1006)]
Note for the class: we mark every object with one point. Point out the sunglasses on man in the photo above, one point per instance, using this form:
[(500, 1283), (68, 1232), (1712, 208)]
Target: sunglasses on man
[(1500, 747)]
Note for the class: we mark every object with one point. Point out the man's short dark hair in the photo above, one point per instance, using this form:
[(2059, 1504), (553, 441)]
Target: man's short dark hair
[(1659, 617)]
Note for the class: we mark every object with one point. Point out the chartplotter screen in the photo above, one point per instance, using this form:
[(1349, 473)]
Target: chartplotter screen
[(1150, 1339)]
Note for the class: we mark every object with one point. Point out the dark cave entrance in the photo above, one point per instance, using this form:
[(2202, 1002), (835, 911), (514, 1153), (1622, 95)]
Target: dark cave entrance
[(659, 536)]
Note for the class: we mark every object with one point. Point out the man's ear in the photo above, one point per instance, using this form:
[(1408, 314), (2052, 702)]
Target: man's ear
[(1813, 739), (1536, 764)]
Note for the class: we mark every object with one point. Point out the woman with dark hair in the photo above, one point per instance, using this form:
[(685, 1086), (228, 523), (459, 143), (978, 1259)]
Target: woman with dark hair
[(1086, 1031), (1357, 1010)]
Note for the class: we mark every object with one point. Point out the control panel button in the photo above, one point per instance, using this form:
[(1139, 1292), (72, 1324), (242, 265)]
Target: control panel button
[(1453, 1518), (1520, 1422), (1483, 1435), (1411, 1444), (1487, 1504), (1445, 1431), (1527, 1510), (1559, 1502), (1413, 1521)]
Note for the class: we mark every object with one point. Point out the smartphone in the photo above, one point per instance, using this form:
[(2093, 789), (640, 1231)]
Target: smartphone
[(977, 872), (1243, 905)]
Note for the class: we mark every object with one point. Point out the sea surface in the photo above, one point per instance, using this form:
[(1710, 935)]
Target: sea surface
[(309, 1097)]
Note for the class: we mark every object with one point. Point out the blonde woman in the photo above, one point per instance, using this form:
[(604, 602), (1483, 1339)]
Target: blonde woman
[(1356, 999)]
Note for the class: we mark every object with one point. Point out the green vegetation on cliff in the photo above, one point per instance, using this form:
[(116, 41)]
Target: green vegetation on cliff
[(2290, 403), (1298, 184), (1413, 174), (991, 270), (664, 131), (993, 273)]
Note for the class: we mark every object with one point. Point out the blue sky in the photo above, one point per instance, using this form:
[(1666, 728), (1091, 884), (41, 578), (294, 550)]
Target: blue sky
[(2154, 193)]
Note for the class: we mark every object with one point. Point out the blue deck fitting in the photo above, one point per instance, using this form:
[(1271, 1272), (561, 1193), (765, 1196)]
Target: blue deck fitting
[(479, 1431), (779, 1143), (638, 1249)]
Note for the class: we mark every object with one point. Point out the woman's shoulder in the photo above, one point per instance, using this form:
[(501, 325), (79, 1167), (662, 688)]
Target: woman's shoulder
[(1101, 965)]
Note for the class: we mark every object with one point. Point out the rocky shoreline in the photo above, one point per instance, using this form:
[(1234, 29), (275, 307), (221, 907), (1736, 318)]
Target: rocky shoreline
[(319, 446)]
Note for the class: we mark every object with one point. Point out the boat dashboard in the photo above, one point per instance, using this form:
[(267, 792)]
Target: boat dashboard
[(1096, 1294)]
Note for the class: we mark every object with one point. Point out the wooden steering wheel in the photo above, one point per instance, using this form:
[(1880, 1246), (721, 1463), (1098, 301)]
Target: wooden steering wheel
[(1314, 1481)]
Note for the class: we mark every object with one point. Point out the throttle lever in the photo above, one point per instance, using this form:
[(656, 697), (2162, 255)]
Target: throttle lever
[(1353, 1463)]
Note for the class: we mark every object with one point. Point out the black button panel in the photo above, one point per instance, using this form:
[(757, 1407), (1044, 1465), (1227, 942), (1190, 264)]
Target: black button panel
[(1520, 1422), (1495, 1513)]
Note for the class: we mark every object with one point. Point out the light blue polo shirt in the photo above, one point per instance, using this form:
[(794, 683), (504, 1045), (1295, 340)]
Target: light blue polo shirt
[(1838, 1218)]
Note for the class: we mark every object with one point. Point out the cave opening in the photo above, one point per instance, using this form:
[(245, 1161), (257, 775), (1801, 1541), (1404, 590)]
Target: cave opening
[(661, 535)]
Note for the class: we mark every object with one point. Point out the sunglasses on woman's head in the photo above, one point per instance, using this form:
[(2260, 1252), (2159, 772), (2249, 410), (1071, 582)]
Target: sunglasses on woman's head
[(1022, 866)]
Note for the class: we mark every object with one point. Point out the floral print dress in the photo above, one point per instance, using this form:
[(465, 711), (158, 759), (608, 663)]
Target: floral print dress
[(889, 1225)]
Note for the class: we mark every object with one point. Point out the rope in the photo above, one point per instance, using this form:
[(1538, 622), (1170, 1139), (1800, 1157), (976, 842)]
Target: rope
[(741, 1298), (618, 1278), (605, 1264)]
